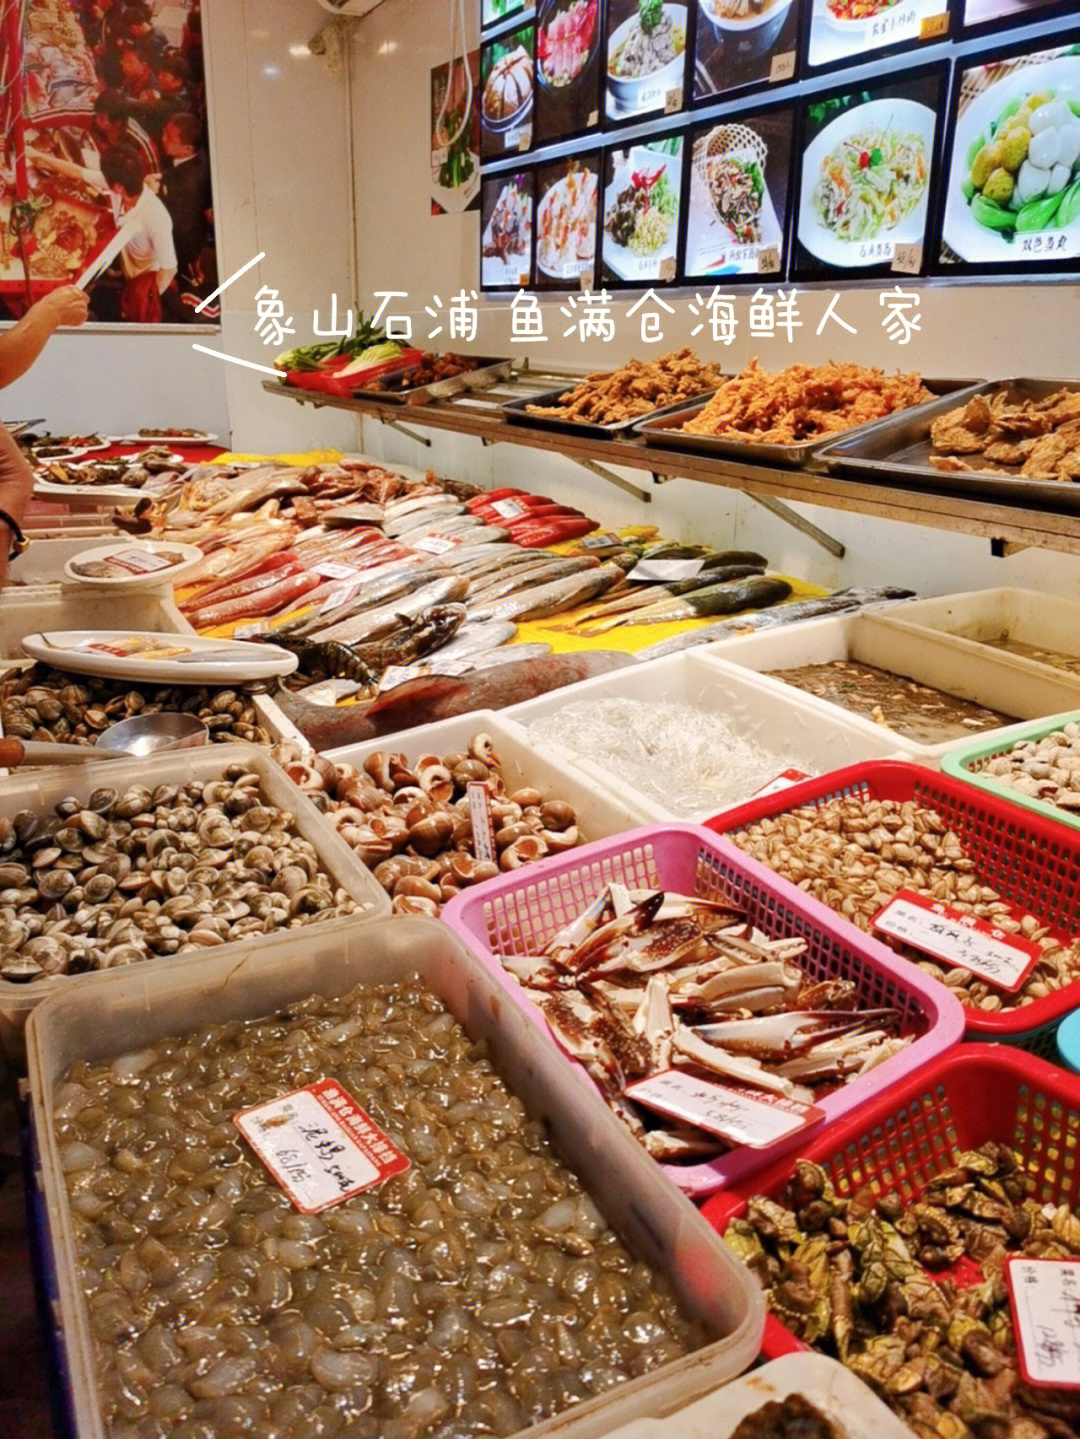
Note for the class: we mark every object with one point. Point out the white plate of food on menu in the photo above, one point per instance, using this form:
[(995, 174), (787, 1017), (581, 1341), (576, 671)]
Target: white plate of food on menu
[(566, 226), (133, 564), (641, 216), (506, 243), (865, 180), (156, 658)]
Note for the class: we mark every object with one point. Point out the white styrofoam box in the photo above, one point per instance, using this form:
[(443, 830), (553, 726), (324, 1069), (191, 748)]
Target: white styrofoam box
[(803, 732), (43, 561), (833, 1390), (980, 617), (977, 673), (31, 608), (600, 809), (134, 1008), (39, 790)]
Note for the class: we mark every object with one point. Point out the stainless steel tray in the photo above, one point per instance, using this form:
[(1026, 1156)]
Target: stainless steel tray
[(516, 411), (897, 451), (667, 432), (489, 372)]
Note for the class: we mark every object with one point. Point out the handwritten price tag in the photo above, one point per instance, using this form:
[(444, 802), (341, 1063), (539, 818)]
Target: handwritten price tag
[(524, 140), (735, 1113), (933, 27), (482, 827), (1045, 1298), (334, 570), (436, 544), (585, 280), (672, 102), (593, 120), (319, 1145), (782, 67), (768, 260), (667, 268), (523, 279), (1002, 959), (907, 259), (139, 562)]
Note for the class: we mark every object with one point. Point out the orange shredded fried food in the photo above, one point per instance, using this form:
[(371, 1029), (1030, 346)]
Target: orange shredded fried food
[(804, 402), (608, 397)]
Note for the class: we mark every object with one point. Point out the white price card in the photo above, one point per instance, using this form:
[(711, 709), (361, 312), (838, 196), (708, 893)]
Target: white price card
[(736, 1113), (1045, 1299), (334, 570), (768, 260), (784, 780), (393, 676), (482, 827), (319, 1145), (1002, 959), (664, 571), (907, 259), (782, 67), (339, 595), (508, 509), (436, 544), (139, 562), (604, 540)]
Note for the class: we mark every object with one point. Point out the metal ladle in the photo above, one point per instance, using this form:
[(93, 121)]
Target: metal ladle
[(135, 737)]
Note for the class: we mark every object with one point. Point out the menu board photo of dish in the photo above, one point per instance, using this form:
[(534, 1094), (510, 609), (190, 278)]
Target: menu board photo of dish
[(568, 70), (843, 30), (506, 93), (865, 174), (567, 204), (646, 44), (981, 13), (742, 43), (506, 226), (494, 12), (1012, 186), (739, 197), (639, 228)]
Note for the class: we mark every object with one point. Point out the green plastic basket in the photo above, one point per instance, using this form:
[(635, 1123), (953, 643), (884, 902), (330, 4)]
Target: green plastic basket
[(967, 761)]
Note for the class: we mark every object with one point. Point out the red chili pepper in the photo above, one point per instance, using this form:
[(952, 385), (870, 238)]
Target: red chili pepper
[(864, 160)]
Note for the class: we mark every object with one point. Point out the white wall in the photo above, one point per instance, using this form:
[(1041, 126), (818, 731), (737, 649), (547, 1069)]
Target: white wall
[(966, 330)]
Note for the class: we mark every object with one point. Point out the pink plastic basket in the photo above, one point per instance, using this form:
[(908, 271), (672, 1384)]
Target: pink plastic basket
[(518, 913)]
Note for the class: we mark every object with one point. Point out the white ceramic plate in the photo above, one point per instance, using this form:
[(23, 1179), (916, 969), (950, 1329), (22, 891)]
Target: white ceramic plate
[(906, 116), (834, 39), (970, 240), (135, 564), (175, 659), (620, 259), (159, 437)]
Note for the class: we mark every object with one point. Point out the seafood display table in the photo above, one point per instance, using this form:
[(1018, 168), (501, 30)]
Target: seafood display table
[(480, 414)]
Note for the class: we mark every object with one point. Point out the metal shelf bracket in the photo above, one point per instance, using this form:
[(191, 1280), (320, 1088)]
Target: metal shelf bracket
[(404, 430), (797, 522), (613, 479)]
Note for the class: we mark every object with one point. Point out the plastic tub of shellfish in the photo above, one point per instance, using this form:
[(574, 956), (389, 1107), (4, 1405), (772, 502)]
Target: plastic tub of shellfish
[(970, 623), (39, 790), (132, 1009), (967, 762), (54, 607), (795, 728), (977, 1094), (520, 912), (599, 811), (981, 676)]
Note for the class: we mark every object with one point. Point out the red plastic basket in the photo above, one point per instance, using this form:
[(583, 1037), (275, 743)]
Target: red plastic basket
[(900, 1140), (519, 912), (1033, 862)]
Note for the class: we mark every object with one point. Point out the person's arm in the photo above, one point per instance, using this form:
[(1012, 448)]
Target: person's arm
[(16, 488), (94, 178), (21, 345)]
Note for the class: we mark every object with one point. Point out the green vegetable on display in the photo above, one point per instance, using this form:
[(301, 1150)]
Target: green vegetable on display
[(311, 357), (650, 13)]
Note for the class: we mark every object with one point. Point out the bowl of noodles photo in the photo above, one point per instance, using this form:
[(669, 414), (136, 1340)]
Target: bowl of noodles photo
[(865, 179), (746, 28)]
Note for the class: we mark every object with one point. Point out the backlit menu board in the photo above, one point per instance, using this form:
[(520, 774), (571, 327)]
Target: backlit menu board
[(639, 224), (494, 12), (506, 226), (506, 93), (569, 41), (646, 44), (978, 14), (567, 203), (866, 173), (1012, 181), (739, 194), (842, 32), (742, 43)]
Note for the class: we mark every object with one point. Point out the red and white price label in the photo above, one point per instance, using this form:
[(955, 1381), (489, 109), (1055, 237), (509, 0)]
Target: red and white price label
[(139, 562), (1045, 1299), (334, 570), (734, 1112), (482, 827), (784, 780), (436, 544), (508, 509), (1002, 959), (319, 1145), (604, 540)]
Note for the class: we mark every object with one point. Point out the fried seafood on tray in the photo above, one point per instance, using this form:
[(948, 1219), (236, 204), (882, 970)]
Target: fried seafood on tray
[(636, 388), (1006, 430), (804, 402)]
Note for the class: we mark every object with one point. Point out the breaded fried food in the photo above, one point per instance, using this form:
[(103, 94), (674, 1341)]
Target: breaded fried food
[(609, 397), (1040, 437), (804, 402)]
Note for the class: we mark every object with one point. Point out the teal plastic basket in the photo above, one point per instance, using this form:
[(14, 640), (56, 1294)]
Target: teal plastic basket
[(968, 761)]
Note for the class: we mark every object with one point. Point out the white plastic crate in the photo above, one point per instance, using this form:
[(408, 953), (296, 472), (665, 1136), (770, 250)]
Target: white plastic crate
[(804, 733), (131, 1009), (39, 790), (43, 561), (601, 811), (975, 673)]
